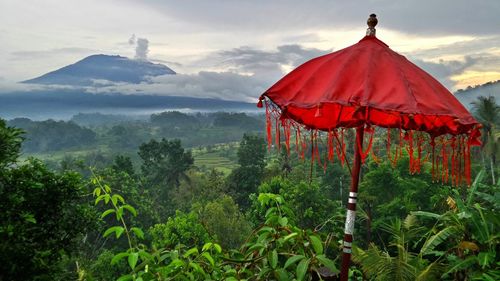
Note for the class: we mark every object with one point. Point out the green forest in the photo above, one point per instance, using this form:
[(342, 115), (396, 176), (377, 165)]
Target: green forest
[(177, 196)]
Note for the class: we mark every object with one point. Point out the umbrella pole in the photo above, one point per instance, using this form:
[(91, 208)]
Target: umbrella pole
[(351, 206)]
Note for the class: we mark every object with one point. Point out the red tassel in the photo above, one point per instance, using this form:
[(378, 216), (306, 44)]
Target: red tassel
[(286, 132), (259, 104), (409, 138), (445, 162), (304, 147), (419, 153), (278, 137), (268, 127), (342, 148), (433, 156), (331, 153), (297, 139), (453, 169), (365, 153), (388, 144), (467, 163)]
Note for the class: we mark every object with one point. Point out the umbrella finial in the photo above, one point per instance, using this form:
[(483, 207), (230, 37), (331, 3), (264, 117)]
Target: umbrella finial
[(372, 22)]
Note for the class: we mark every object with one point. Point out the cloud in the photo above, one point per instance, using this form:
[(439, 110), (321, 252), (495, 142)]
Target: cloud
[(253, 61), (29, 55), (205, 84), (142, 49), (408, 16), (131, 40), (444, 70)]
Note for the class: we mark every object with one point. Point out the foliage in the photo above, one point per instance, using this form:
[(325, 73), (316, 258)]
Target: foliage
[(53, 135), (471, 227), (42, 219), (175, 120), (224, 221), (245, 179), (307, 202), (165, 161), (488, 113), (123, 163), (275, 250), (182, 229), (400, 261), (224, 119), (10, 143)]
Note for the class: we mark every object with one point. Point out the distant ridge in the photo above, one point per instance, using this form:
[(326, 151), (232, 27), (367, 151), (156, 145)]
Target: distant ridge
[(470, 94), (103, 68)]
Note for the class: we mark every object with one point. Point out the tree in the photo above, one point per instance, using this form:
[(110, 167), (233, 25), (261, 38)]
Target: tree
[(224, 221), (245, 179), (182, 229), (488, 113), (165, 162), (123, 163), (42, 220), (10, 143)]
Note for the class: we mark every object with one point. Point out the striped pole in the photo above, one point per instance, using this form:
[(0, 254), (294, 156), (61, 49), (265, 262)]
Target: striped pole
[(351, 207)]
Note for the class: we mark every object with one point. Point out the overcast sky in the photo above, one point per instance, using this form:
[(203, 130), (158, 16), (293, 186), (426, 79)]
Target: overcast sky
[(237, 49)]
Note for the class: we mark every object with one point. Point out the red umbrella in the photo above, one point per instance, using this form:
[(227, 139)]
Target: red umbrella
[(365, 85)]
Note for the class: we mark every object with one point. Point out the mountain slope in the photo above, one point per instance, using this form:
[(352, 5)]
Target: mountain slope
[(102, 67), (469, 95)]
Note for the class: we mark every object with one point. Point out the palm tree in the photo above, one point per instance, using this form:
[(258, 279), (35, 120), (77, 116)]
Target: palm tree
[(488, 113)]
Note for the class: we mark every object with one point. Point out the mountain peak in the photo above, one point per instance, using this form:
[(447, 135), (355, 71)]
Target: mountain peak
[(113, 68)]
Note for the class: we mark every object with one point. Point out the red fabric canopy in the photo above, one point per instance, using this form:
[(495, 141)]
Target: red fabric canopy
[(368, 83)]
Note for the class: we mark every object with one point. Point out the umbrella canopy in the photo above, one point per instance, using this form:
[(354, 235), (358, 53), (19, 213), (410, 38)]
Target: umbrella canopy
[(366, 85), (370, 84)]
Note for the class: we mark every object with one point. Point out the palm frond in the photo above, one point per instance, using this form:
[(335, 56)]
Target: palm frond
[(435, 240)]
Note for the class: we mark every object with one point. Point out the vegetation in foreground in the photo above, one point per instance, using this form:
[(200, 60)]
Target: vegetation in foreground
[(271, 217)]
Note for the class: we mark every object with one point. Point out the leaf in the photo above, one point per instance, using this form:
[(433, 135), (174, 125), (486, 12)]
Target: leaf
[(100, 197), (281, 275), (209, 258), (302, 269), (107, 212), (462, 264), (97, 191), (145, 256), (293, 260), (218, 248), (138, 232), (290, 236), (197, 267), (317, 245), (427, 214), (468, 245), (117, 197), (328, 263), (117, 229), (125, 278), (107, 188), (132, 260), (118, 257), (437, 239), (283, 221), (207, 246), (119, 213), (485, 258), (273, 259), (130, 209), (191, 252)]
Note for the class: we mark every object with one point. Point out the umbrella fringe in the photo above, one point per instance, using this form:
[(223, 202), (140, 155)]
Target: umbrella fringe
[(449, 154)]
